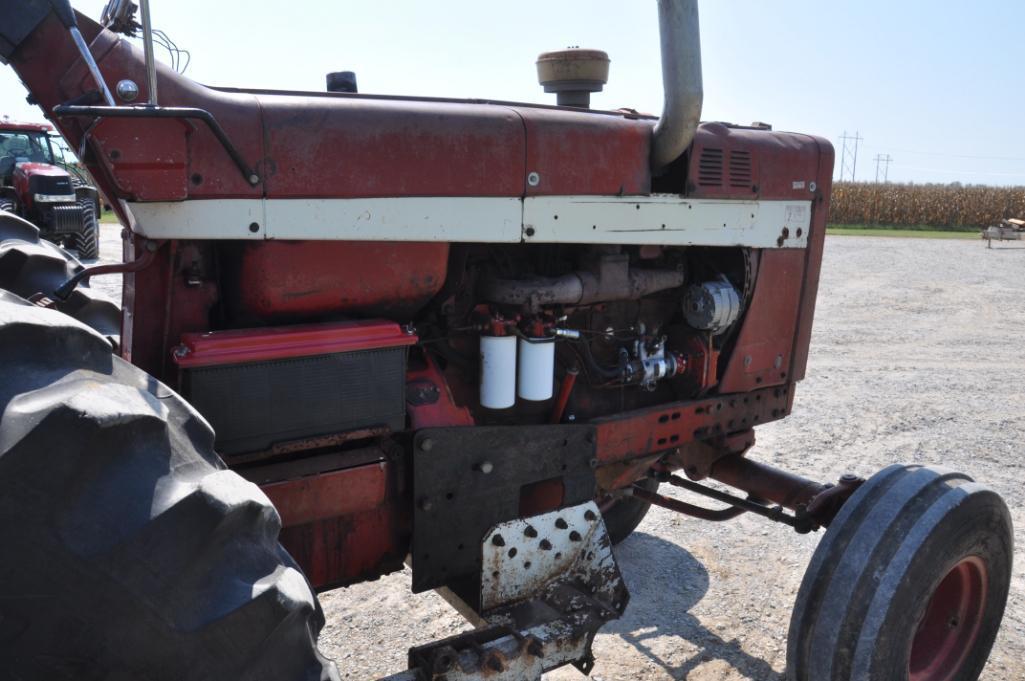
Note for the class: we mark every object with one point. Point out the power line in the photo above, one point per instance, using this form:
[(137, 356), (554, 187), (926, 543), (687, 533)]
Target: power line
[(886, 168), (849, 149), (946, 155)]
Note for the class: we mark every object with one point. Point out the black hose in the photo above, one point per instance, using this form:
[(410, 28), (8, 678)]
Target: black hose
[(596, 368)]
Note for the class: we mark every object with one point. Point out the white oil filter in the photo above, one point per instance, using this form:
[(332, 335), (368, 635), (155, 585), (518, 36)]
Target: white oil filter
[(537, 369), (497, 371)]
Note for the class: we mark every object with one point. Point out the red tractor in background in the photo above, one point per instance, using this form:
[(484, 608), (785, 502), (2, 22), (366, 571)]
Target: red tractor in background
[(36, 184), (475, 337)]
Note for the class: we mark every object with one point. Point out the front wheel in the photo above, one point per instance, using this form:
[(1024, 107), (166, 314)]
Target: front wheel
[(909, 582)]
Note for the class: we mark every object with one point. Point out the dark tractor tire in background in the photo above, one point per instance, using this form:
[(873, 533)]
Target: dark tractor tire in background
[(622, 515), (909, 582), (7, 205), (129, 551), (87, 242), (31, 265)]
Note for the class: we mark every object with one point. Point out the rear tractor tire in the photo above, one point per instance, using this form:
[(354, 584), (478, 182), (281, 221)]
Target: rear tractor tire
[(908, 584), (6, 205), (87, 241), (129, 551)]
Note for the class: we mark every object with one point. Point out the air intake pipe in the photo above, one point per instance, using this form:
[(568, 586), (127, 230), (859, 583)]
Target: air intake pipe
[(681, 81)]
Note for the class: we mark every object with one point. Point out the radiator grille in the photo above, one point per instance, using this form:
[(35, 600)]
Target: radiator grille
[(252, 406)]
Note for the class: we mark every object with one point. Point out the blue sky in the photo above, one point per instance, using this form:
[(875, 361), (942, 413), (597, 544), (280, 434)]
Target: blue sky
[(936, 85)]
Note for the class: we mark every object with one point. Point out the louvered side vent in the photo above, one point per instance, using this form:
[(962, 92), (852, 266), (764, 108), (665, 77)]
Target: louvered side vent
[(710, 170), (740, 169)]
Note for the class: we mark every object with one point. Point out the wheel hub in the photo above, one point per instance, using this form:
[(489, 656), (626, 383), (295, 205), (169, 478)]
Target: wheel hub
[(951, 622)]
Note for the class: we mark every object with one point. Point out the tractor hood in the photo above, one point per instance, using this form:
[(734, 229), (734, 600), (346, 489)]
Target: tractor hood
[(324, 145), (32, 169), (32, 180)]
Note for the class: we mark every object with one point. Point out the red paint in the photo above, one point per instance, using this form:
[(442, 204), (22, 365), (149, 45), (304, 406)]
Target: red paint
[(439, 413), (344, 526), (24, 172), (744, 163), (6, 124), (364, 146), (296, 279), (374, 147), (256, 345), (576, 152), (328, 495), (813, 264), (657, 429), (29, 169), (541, 497), (950, 624), (765, 344), (147, 160), (565, 390)]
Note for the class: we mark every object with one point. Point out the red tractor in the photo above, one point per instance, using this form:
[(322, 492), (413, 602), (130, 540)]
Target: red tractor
[(37, 185), (474, 337)]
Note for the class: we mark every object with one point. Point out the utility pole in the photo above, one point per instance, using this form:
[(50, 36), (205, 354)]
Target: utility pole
[(885, 160), (849, 148)]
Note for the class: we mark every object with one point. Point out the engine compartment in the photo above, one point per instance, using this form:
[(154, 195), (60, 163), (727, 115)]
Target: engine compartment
[(507, 325)]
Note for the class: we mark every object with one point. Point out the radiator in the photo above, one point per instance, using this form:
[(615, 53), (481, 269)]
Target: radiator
[(263, 387)]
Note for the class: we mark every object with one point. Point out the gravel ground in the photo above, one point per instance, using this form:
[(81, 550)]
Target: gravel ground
[(916, 357)]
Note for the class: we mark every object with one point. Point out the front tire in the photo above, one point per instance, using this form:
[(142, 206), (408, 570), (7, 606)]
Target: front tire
[(909, 582), (130, 552)]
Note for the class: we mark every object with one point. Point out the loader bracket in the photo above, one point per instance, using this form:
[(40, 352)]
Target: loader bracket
[(467, 480), (548, 586)]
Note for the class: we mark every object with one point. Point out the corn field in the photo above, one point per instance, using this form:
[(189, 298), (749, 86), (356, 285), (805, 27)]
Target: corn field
[(950, 206)]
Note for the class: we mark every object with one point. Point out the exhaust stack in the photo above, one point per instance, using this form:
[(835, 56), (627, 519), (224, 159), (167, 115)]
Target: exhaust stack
[(679, 34)]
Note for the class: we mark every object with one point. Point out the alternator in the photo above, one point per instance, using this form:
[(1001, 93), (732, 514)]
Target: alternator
[(712, 306)]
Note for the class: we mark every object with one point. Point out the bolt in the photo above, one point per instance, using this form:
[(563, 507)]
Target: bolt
[(747, 360), (426, 504), (534, 179), (589, 516), (427, 444), (128, 90), (593, 463), (848, 479), (254, 227), (574, 536), (254, 179), (546, 545), (561, 524), (485, 467), (498, 540), (181, 351), (530, 531)]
